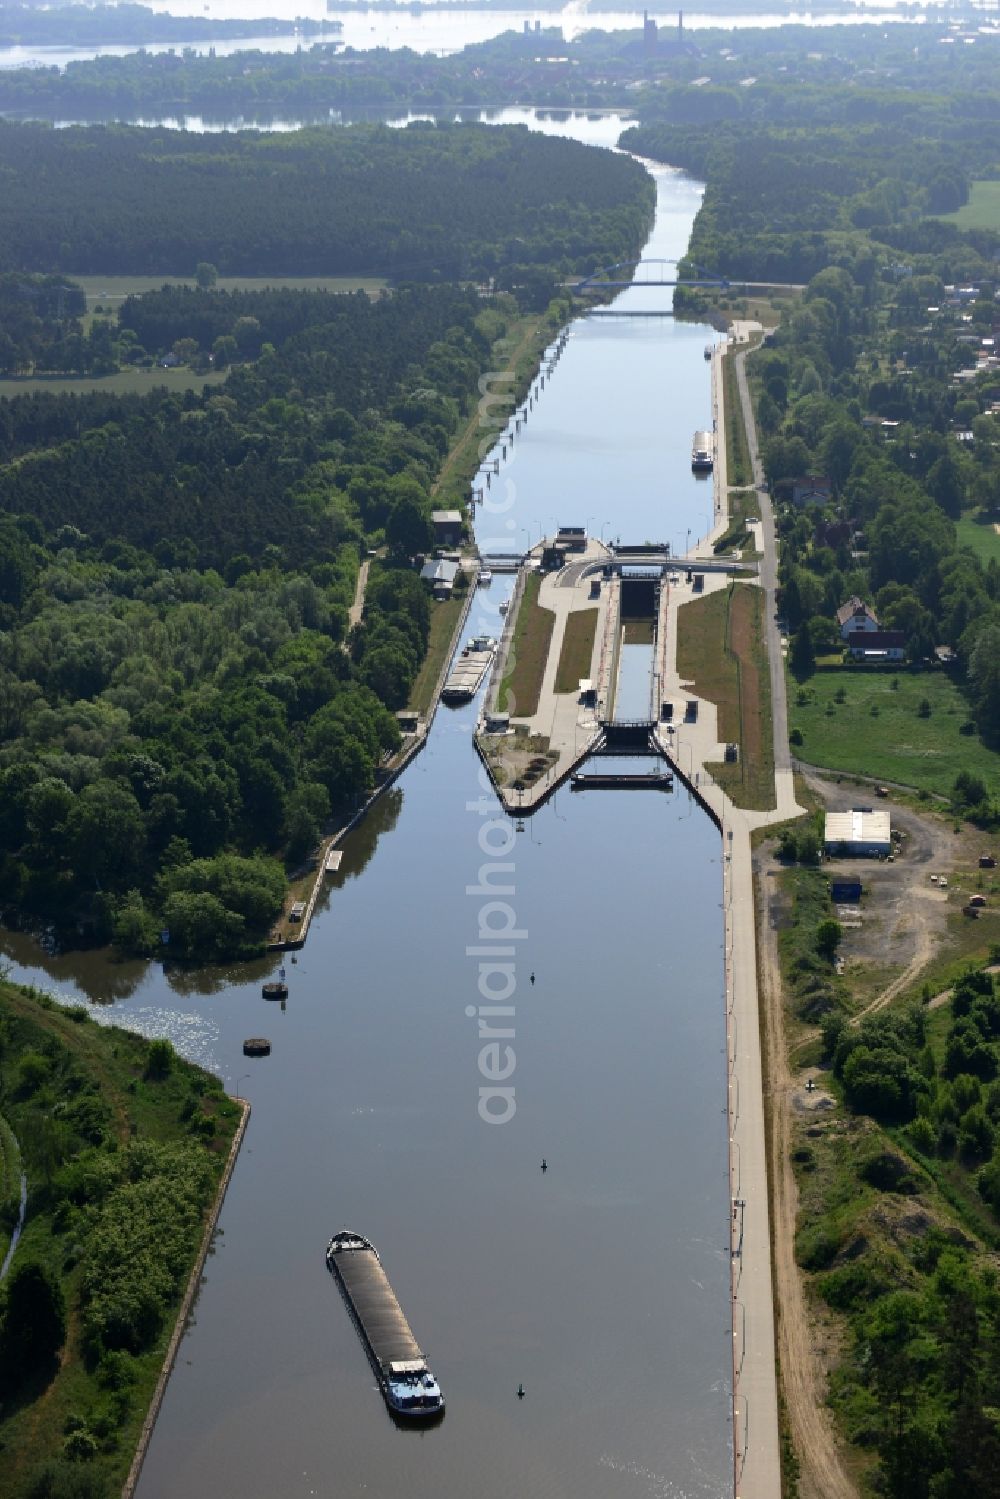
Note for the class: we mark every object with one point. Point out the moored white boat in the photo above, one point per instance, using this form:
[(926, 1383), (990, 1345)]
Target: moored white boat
[(701, 452)]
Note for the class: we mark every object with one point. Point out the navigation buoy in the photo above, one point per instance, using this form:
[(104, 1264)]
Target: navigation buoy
[(520, 1392), (545, 1164), (531, 978)]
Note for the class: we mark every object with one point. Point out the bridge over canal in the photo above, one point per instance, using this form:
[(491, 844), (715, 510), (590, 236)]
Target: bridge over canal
[(646, 272)]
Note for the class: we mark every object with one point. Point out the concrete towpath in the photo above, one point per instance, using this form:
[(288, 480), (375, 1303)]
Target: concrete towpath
[(691, 747)]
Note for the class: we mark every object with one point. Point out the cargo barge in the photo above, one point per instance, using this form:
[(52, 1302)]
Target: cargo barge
[(469, 670), (408, 1387), (701, 453)]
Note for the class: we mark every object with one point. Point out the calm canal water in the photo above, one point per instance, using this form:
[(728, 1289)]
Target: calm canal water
[(602, 1284)]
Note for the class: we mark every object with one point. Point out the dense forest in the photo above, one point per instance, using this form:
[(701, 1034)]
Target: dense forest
[(789, 185), (176, 694), (180, 699), (122, 1144), (762, 79), (454, 201)]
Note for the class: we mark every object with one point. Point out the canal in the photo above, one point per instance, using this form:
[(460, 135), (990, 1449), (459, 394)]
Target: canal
[(396, 1104)]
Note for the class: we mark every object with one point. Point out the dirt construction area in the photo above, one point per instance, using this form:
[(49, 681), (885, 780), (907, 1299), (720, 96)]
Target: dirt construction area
[(903, 921), (904, 915)]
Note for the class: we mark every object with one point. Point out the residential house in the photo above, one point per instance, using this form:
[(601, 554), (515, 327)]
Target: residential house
[(876, 645), (856, 616), (812, 489)]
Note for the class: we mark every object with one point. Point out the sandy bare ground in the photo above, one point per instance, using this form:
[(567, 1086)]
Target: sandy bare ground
[(912, 914)]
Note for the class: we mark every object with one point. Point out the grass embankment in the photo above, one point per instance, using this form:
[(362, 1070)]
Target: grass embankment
[(516, 355), (738, 470), (720, 649), (878, 730), (744, 507), (577, 652), (529, 652), (444, 617), (123, 1146)]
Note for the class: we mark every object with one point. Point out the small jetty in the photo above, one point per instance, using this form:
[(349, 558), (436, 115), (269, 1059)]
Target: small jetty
[(701, 453), (408, 1387), (256, 1046), (275, 989), (469, 670)]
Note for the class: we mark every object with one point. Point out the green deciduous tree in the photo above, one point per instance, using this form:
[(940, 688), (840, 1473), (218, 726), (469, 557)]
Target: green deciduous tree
[(33, 1328)]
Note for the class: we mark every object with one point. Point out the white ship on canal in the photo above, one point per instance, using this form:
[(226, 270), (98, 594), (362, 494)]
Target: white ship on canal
[(701, 453)]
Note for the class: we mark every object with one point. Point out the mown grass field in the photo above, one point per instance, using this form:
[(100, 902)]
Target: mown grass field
[(737, 452), (577, 650), (522, 684), (982, 210), (983, 538), (111, 291), (720, 648), (877, 731), (127, 382)]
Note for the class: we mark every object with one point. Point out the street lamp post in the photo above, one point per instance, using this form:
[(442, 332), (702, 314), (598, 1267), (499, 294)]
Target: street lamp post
[(240, 1079)]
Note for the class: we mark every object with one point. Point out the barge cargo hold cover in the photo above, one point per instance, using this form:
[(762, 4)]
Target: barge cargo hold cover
[(409, 1388)]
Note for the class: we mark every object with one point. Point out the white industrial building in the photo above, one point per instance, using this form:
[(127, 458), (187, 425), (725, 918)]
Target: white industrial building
[(861, 832)]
